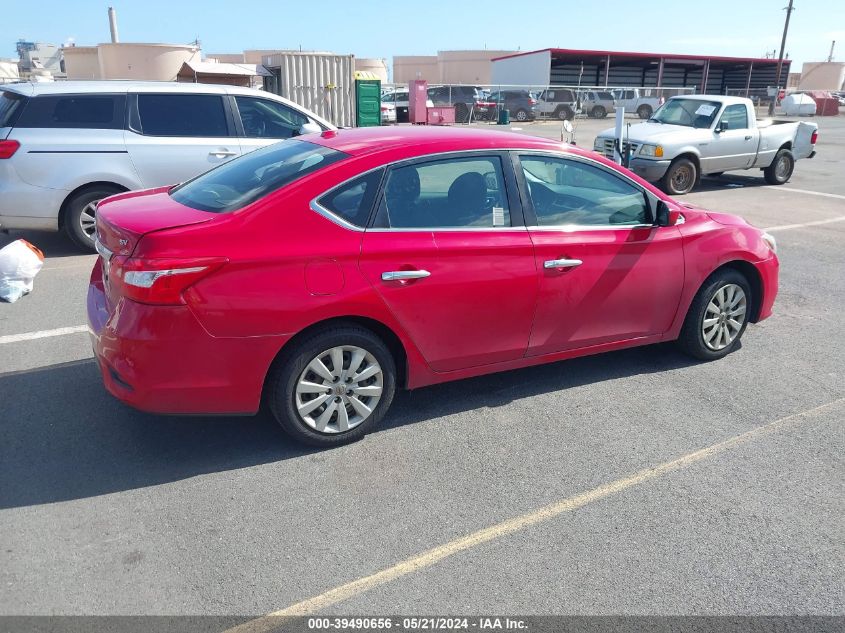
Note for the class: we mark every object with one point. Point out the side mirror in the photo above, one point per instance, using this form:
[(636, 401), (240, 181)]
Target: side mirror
[(665, 216), (723, 125), (310, 128)]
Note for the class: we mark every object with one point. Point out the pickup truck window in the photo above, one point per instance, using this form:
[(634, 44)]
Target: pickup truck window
[(695, 113), (736, 116)]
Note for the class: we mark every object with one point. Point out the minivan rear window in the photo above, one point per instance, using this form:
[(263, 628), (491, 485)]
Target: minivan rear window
[(242, 181), (11, 104)]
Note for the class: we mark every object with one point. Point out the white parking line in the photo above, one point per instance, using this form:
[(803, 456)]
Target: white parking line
[(786, 227), (812, 193), (29, 336)]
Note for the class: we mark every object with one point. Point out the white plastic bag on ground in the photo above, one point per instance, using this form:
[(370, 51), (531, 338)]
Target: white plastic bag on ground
[(20, 261)]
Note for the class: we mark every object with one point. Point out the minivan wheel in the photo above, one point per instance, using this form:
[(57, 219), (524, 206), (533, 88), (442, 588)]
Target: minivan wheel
[(717, 316), (333, 387), (644, 111), (781, 168), (80, 220), (680, 178)]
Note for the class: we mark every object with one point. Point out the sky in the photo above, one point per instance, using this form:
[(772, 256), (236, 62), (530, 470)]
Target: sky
[(373, 28)]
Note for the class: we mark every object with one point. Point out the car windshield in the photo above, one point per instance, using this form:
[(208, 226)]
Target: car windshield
[(695, 113), (242, 181)]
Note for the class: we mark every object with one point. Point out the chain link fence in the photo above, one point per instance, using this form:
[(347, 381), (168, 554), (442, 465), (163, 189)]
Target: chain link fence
[(525, 103)]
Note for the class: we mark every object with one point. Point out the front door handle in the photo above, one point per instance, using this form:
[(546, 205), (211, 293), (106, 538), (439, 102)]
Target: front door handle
[(404, 275), (562, 263), (222, 154), (747, 138)]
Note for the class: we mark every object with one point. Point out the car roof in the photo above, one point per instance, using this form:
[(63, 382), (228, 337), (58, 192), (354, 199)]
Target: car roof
[(420, 140)]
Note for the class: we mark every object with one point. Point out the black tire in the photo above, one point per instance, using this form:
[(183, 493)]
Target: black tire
[(692, 338), (644, 111), (780, 171), (564, 113), (599, 112), (461, 113), (78, 212), (521, 115), (680, 178), (286, 371)]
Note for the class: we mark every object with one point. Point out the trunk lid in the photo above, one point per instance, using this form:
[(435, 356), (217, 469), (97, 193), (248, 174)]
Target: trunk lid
[(122, 220)]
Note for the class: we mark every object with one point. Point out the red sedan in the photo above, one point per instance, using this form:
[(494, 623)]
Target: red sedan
[(324, 272)]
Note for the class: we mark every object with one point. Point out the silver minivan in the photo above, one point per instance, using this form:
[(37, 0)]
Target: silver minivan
[(64, 146)]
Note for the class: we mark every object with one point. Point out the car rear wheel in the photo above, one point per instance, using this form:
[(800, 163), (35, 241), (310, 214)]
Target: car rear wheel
[(644, 111), (80, 221), (564, 113), (521, 115), (599, 112), (781, 168), (680, 178), (717, 317), (333, 387)]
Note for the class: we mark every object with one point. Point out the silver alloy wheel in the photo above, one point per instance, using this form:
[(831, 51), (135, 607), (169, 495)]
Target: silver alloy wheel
[(521, 115), (88, 219), (339, 389), (724, 317), (782, 168)]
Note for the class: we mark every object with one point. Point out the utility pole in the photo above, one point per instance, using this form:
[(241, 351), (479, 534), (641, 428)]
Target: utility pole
[(789, 11)]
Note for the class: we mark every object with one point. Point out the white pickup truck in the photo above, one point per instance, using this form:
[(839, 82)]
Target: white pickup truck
[(635, 100), (690, 136)]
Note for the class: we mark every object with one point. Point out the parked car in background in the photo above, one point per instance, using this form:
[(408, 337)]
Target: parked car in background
[(596, 104), (292, 276), (463, 98), (388, 113), (521, 106), (399, 99), (64, 146), (691, 136), (559, 103), (635, 100)]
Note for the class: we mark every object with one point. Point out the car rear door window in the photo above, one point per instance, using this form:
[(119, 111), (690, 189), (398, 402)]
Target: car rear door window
[(263, 118), (353, 201), (569, 192), (103, 112), (452, 193), (184, 115)]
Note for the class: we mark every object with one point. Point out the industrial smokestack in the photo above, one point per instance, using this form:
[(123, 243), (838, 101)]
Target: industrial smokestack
[(113, 26)]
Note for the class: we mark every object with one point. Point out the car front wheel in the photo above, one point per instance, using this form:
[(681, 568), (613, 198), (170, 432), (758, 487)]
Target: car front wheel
[(680, 178), (717, 317), (333, 387)]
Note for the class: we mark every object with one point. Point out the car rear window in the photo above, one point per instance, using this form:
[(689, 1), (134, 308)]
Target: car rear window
[(101, 112), (354, 200), (242, 181), (182, 115), (11, 104)]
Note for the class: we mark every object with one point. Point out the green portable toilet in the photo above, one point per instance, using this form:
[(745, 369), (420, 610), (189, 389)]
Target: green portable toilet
[(367, 99)]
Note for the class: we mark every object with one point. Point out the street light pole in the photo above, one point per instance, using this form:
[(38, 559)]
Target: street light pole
[(789, 11)]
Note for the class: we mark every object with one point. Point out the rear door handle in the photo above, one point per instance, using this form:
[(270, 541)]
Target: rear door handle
[(404, 275), (562, 263), (747, 138), (222, 154)]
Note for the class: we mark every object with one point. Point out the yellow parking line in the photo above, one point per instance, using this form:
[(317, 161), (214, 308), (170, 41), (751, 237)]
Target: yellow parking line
[(432, 556)]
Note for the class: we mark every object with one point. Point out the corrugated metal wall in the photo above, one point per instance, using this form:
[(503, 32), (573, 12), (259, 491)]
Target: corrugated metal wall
[(321, 82)]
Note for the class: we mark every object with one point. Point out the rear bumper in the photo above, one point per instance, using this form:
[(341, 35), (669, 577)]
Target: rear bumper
[(160, 359), (25, 206), (650, 170), (769, 272)]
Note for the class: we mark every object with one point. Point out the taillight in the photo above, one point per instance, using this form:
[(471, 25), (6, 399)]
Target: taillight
[(160, 281), (8, 148), (814, 137), (532, 102)]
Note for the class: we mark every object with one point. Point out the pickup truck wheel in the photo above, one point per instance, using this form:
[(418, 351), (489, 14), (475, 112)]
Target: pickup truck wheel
[(680, 178), (80, 219), (781, 168), (564, 113), (599, 112), (644, 111)]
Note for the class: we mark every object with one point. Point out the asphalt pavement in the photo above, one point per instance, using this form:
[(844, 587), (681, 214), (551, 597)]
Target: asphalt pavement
[(635, 482)]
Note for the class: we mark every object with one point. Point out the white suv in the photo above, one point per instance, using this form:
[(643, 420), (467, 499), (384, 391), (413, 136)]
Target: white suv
[(64, 146)]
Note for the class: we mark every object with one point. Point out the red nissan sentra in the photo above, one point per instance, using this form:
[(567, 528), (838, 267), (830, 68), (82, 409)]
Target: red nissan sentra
[(324, 272)]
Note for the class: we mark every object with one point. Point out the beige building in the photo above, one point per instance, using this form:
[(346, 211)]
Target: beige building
[(822, 76), (155, 62), (452, 67), (372, 65)]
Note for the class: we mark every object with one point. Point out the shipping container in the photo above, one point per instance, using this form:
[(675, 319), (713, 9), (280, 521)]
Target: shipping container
[(322, 82)]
